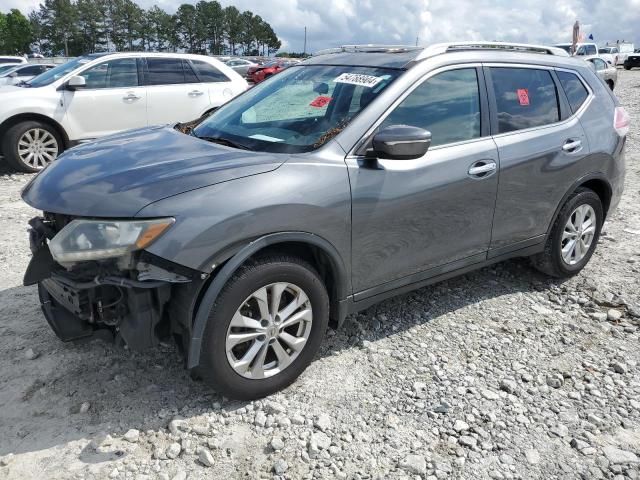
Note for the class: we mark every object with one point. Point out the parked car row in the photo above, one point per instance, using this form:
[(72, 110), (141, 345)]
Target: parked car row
[(256, 72), (100, 94)]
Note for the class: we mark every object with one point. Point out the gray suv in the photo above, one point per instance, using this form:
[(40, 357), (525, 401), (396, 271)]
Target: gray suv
[(362, 173)]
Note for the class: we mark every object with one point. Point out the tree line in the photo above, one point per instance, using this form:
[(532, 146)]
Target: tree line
[(76, 27)]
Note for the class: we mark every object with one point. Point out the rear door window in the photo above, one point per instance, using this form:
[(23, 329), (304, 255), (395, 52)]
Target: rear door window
[(207, 73), (447, 105), (573, 88), (164, 71), (525, 98)]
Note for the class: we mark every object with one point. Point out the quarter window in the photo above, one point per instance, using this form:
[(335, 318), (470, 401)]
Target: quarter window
[(207, 73), (573, 88), (525, 98), (447, 105), (118, 73)]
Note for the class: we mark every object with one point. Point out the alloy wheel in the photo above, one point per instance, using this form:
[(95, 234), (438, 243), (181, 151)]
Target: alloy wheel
[(578, 234), (269, 330), (37, 148)]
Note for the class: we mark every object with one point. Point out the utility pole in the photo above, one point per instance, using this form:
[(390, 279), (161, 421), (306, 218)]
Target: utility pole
[(417, 41), (304, 51), (66, 45)]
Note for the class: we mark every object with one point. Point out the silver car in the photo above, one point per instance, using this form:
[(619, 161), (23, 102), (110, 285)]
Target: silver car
[(241, 65), (605, 70)]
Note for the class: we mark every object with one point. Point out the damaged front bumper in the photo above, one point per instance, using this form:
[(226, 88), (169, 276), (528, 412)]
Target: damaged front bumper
[(140, 299)]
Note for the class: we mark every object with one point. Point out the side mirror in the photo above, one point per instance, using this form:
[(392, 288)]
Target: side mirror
[(401, 142), (76, 82)]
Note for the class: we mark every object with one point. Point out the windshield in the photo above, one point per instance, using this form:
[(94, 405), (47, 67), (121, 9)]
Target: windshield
[(55, 73), (297, 110)]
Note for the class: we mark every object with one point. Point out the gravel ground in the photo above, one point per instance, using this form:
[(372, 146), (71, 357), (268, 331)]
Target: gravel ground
[(501, 373)]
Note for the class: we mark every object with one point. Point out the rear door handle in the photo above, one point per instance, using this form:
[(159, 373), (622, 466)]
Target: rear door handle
[(572, 146), (482, 169), (131, 96), (195, 93)]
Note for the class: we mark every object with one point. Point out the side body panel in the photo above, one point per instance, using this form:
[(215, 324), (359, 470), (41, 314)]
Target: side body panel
[(412, 215), (96, 113), (212, 223)]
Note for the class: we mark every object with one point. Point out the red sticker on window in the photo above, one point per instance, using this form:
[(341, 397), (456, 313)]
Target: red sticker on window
[(320, 102), (523, 96)]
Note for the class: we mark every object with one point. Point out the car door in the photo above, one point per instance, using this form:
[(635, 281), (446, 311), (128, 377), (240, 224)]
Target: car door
[(217, 84), (175, 93), (112, 100), (540, 142), (416, 218)]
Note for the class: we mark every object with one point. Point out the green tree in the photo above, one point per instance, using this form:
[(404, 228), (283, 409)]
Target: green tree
[(188, 27), (212, 24), (18, 35), (163, 34), (232, 27)]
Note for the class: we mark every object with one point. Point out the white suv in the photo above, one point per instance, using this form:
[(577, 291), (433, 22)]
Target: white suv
[(100, 94)]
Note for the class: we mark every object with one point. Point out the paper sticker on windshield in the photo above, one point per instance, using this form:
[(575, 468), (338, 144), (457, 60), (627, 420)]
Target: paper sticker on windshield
[(359, 79), (523, 97), (320, 102), (265, 138)]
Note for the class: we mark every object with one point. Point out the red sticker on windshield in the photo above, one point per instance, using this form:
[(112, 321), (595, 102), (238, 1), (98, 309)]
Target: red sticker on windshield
[(320, 102), (523, 96)]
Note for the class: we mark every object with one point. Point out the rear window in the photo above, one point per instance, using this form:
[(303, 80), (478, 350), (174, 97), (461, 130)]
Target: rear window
[(574, 89), (207, 73), (525, 98)]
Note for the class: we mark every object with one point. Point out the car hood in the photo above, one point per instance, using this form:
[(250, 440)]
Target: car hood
[(119, 175)]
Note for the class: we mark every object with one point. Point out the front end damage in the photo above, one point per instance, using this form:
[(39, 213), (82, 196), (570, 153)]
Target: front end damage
[(138, 298)]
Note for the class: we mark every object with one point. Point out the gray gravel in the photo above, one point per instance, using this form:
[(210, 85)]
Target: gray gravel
[(502, 373)]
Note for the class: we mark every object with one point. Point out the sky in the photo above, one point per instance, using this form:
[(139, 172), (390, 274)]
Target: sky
[(332, 23)]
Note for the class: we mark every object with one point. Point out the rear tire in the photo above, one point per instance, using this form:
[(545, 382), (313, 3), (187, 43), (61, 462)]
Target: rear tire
[(556, 259), (232, 370), (31, 145), (611, 84)]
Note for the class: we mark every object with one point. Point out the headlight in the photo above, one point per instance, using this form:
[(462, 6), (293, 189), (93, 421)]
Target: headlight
[(83, 240)]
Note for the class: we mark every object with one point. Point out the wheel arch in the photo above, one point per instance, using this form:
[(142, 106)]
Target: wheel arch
[(313, 248), (25, 117), (593, 181)]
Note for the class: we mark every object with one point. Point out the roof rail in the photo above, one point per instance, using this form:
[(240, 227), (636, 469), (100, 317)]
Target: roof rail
[(368, 48), (441, 48)]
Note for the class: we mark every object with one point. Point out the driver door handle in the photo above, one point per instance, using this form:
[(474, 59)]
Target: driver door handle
[(195, 93), (482, 169), (572, 146), (131, 97)]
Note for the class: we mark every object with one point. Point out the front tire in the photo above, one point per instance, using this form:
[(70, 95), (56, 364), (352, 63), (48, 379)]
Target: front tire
[(265, 327), (30, 146), (574, 235)]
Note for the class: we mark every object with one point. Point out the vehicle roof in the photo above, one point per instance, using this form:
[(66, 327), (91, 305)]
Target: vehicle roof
[(407, 58), (148, 54)]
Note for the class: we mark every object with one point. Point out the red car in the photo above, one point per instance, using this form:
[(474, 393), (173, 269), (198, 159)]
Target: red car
[(260, 72)]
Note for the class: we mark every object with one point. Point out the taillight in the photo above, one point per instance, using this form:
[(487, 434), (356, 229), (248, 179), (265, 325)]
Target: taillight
[(621, 121)]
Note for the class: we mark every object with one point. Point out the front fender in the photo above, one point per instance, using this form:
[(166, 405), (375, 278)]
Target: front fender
[(230, 267)]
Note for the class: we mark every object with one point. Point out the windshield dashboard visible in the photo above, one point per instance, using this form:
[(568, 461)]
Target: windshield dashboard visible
[(298, 110)]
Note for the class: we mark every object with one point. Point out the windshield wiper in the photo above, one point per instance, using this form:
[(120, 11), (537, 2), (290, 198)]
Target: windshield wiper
[(224, 141), (22, 83)]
